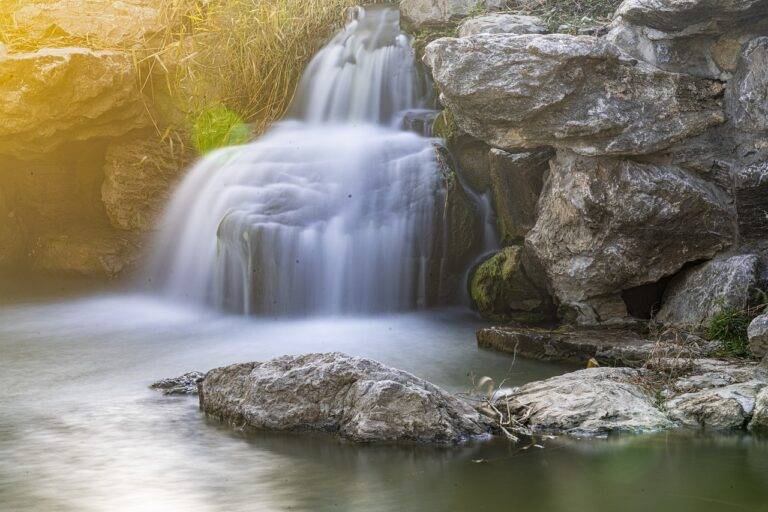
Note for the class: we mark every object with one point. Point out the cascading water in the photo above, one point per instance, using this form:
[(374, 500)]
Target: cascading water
[(334, 211)]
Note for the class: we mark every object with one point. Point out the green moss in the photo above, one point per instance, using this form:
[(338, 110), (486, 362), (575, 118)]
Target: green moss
[(217, 127), (444, 125), (729, 327)]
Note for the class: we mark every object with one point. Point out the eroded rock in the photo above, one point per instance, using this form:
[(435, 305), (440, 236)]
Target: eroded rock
[(182, 385), (606, 225), (691, 16), (355, 398), (698, 294), (595, 401), (502, 23), (576, 92)]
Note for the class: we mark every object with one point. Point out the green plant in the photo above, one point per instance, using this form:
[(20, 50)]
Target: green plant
[(729, 327), (444, 126), (217, 127)]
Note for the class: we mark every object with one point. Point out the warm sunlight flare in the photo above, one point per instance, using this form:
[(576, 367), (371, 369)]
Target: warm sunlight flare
[(385, 256)]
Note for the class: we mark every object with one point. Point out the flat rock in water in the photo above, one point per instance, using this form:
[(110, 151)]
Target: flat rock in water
[(182, 385), (356, 398), (595, 401)]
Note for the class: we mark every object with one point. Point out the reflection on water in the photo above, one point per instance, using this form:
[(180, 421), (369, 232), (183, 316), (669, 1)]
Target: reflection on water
[(80, 431)]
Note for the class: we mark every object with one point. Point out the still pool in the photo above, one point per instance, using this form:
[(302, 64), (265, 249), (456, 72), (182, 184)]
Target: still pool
[(80, 430)]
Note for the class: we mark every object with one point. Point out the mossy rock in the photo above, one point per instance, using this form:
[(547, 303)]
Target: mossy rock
[(502, 292)]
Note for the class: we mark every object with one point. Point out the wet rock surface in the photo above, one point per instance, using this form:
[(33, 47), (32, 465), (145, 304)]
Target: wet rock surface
[(357, 399), (182, 385)]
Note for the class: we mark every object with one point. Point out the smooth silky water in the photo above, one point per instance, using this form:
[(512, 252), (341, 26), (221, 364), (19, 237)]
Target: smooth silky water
[(322, 234)]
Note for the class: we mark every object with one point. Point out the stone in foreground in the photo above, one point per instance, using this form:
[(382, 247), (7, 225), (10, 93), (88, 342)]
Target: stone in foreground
[(759, 422), (724, 408), (758, 335), (182, 385), (595, 401), (358, 399)]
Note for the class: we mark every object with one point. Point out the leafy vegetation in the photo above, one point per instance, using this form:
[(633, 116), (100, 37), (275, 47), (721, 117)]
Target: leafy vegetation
[(217, 127)]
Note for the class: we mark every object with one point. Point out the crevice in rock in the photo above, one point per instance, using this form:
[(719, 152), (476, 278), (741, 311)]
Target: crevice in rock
[(644, 301)]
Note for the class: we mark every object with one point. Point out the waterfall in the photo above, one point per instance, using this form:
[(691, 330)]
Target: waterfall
[(332, 211)]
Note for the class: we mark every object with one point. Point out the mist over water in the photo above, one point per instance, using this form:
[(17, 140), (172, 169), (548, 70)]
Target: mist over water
[(333, 211)]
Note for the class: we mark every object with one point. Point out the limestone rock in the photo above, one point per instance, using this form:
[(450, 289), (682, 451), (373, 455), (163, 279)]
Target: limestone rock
[(88, 252), (607, 225), (576, 92), (502, 291), (758, 336), (358, 399), (595, 401), (102, 22), (182, 385), (698, 294), (54, 96), (516, 181), (759, 422), (691, 16), (502, 23), (436, 13), (138, 175), (723, 408), (747, 93)]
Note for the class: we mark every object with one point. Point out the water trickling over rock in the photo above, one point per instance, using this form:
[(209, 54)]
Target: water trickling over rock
[(333, 211)]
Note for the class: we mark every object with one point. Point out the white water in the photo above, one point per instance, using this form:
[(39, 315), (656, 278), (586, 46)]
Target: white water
[(334, 211)]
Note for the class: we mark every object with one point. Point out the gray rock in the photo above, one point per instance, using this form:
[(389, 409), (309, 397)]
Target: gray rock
[(358, 399), (607, 225), (758, 336), (704, 373), (697, 294), (183, 385), (750, 191), (691, 16), (499, 23), (420, 14), (723, 408), (502, 290), (747, 93), (516, 180), (577, 92), (595, 401), (759, 422)]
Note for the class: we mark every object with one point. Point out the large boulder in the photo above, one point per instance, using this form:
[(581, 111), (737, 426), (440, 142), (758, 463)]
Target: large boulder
[(502, 290), (358, 399), (722, 408), (697, 294), (502, 23), (576, 92), (104, 23), (138, 175), (691, 15), (53, 97), (606, 225), (758, 336), (516, 180), (420, 14), (595, 401)]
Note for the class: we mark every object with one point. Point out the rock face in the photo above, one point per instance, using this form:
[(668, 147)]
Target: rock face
[(722, 408), (502, 291), (516, 180), (595, 401), (55, 96), (750, 191), (472, 161), (182, 385), (599, 219), (575, 92), (137, 179), (358, 399), (747, 93), (758, 336), (698, 294), (759, 422), (499, 23), (436, 13), (690, 15)]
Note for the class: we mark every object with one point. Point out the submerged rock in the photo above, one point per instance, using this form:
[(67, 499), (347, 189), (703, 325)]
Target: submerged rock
[(698, 294), (358, 399), (182, 385), (502, 290), (598, 217), (576, 92), (595, 401)]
